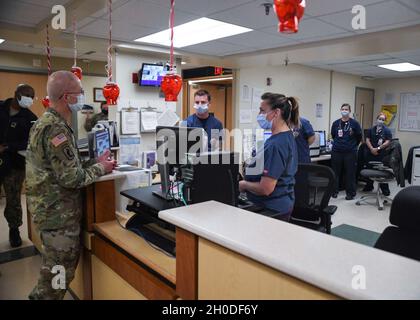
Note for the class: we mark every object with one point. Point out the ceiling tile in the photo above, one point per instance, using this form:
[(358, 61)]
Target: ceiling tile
[(309, 28), (250, 15), (45, 3), (121, 30), (413, 4), (260, 40), (203, 8), (389, 13), (25, 14), (147, 14), (217, 48), (322, 7)]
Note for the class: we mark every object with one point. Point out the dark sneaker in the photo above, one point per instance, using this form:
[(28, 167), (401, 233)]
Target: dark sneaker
[(14, 238), (349, 197), (385, 190)]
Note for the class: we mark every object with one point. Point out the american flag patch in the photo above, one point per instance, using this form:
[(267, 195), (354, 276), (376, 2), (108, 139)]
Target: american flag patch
[(61, 138)]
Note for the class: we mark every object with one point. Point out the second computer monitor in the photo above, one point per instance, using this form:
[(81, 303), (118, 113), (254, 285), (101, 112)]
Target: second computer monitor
[(322, 138)]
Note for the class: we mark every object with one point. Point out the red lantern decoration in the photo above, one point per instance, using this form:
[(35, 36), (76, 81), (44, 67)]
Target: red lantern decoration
[(289, 13), (171, 86), (46, 102), (77, 71), (111, 93)]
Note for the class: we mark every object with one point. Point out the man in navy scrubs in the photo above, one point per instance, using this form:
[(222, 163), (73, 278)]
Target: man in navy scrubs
[(304, 137), (203, 119)]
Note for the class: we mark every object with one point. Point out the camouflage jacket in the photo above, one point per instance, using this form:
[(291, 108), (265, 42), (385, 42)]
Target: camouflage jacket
[(91, 122), (55, 174)]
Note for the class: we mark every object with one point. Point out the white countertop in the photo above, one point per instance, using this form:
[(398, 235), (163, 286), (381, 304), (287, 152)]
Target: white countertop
[(322, 157), (112, 176), (319, 259)]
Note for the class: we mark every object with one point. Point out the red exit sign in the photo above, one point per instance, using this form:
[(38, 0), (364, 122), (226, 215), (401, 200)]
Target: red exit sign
[(218, 71)]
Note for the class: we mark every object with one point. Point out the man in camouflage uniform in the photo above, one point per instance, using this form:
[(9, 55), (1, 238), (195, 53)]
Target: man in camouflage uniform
[(54, 177), (103, 115)]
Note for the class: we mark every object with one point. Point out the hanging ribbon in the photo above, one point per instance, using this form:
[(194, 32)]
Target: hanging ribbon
[(77, 71), (171, 25), (46, 101), (48, 51), (111, 90), (171, 83)]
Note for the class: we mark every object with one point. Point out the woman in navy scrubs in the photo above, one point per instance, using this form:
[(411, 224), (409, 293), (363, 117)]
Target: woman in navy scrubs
[(347, 134), (378, 139), (271, 185)]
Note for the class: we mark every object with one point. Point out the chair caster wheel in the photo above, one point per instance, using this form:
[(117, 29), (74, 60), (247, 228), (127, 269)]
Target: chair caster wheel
[(358, 203), (385, 201), (380, 209)]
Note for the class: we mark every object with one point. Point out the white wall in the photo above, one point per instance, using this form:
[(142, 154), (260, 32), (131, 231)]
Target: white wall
[(396, 87), (127, 63), (309, 85)]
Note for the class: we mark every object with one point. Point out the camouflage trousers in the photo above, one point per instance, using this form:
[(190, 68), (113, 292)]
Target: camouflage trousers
[(12, 184), (60, 255)]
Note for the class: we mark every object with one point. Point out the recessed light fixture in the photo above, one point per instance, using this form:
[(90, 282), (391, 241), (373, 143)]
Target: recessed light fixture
[(209, 80), (401, 67), (194, 32), (2, 40)]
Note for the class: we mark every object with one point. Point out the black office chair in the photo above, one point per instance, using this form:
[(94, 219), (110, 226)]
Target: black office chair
[(313, 190), (403, 237)]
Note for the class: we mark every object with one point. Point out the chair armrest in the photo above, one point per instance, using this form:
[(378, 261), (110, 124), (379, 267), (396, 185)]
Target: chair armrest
[(330, 210)]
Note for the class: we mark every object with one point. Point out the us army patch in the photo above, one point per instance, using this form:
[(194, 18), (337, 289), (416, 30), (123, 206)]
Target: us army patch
[(68, 153), (58, 140)]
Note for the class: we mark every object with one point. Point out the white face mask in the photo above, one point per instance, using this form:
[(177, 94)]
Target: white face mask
[(79, 104), (25, 102)]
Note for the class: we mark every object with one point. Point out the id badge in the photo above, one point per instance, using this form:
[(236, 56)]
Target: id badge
[(380, 142), (340, 133)]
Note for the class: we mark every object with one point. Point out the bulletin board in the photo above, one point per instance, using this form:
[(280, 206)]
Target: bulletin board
[(410, 112)]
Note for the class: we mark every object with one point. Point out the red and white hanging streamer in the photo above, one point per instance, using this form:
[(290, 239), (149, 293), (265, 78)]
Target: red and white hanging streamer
[(109, 65), (171, 26), (48, 50)]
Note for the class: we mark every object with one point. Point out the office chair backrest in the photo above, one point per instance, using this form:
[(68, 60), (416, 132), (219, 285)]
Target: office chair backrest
[(405, 210), (314, 186)]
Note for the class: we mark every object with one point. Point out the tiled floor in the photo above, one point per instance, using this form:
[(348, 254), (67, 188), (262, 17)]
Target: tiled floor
[(18, 277)]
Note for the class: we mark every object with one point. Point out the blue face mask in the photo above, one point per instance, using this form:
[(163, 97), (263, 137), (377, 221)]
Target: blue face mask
[(79, 104), (263, 122), (201, 109)]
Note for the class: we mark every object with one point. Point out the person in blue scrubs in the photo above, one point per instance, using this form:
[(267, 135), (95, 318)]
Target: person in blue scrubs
[(378, 139), (203, 119), (304, 137), (347, 134), (271, 184)]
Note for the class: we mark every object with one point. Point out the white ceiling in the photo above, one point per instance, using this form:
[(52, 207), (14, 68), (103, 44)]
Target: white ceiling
[(323, 20)]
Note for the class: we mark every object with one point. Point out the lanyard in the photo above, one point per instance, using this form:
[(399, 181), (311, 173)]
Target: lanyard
[(346, 126)]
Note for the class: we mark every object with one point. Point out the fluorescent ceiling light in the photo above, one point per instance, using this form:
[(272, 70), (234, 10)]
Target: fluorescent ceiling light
[(193, 32), (209, 80), (2, 40), (183, 62), (401, 67)]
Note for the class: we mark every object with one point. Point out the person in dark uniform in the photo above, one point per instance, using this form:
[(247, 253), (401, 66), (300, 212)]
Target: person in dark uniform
[(271, 184), (91, 122), (203, 119), (304, 137), (347, 134), (378, 139), (15, 123)]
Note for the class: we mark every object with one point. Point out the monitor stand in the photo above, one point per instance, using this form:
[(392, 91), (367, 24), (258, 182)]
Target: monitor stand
[(164, 193)]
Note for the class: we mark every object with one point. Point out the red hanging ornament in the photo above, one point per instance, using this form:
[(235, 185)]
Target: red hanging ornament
[(171, 86), (289, 13), (77, 71), (46, 102), (171, 83), (111, 93)]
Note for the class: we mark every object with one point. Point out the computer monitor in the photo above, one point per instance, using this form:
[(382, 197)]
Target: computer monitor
[(322, 139), (173, 144)]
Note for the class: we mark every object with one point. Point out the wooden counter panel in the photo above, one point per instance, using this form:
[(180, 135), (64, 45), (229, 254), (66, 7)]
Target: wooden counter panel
[(137, 247), (131, 271), (186, 264), (226, 275)]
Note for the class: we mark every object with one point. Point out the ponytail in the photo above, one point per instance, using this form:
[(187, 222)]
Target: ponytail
[(293, 120), (288, 105)]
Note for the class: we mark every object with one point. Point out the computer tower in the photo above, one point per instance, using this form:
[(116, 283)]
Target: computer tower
[(212, 176)]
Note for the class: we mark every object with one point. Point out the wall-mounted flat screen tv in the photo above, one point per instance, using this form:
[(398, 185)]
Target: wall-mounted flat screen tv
[(151, 75)]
